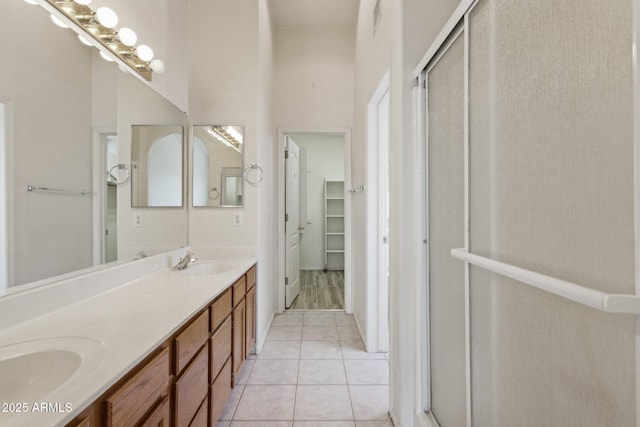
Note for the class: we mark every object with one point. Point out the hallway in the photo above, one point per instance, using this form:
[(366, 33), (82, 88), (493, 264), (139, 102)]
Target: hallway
[(320, 290), (313, 371)]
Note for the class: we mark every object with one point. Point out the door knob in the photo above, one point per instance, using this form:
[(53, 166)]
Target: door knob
[(300, 227)]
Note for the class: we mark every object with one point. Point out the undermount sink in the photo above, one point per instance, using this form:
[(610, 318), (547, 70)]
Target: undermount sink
[(32, 370), (208, 268)]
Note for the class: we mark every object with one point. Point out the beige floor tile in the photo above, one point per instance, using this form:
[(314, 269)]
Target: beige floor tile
[(323, 424), (261, 423), (290, 318), (370, 402), (319, 319), (355, 350), (223, 423), (285, 333), (378, 423), (321, 372), (321, 350), (320, 333), (344, 319), (349, 332), (266, 403), (323, 402), (274, 371), (367, 371), (280, 350)]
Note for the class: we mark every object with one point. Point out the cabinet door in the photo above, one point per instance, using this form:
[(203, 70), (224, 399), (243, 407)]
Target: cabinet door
[(200, 420), (160, 417), (239, 331), (220, 348), (191, 388), (220, 392), (250, 336)]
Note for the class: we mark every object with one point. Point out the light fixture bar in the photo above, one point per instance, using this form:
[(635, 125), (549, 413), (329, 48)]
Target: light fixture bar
[(84, 17), (219, 133), (233, 142)]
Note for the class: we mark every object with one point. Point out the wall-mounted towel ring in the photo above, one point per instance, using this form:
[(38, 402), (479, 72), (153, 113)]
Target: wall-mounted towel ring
[(247, 172), (113, 179), (214, 193)]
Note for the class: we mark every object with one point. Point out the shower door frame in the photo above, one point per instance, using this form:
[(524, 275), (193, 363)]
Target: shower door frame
[(459, 21)]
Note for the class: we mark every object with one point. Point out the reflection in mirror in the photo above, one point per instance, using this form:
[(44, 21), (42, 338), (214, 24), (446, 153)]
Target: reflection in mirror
[(156, 162), (68, 118), (217, 165)]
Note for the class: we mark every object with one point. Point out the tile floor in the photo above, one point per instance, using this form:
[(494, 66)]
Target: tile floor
[(313, 372)]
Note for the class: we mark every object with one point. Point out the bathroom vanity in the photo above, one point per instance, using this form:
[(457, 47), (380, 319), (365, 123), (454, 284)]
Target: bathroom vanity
[(167, 349)]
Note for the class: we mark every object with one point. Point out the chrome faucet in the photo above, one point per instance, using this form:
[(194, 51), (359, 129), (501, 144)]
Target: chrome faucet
[(184, 262)]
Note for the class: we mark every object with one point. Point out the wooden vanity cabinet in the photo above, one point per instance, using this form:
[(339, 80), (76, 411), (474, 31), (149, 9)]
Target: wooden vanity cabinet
[(187, 381), (131, 401), (161, 416)]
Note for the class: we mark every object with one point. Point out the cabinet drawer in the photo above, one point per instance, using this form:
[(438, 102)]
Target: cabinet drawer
[(90, 418), (130, 402), (220, 347), (239, 289), (160, 417), (220, 309), (200, 420), (191, 388), (190, 340), (251, 277), (220, 392)]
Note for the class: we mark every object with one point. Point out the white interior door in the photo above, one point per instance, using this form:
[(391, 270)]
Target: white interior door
[(292, 222)]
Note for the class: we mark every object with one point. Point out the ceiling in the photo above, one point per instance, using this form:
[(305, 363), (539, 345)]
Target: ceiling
[(315, 13)]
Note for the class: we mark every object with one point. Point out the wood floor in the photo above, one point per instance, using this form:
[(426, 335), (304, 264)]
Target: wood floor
[(320, 290)]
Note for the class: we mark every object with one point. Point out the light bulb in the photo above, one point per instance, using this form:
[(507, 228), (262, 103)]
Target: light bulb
[(106, 57), (33, 2), (127, 36), (83, 2), (107, 17), (85, 40), (144, 52), (58, 22), (157, 66)]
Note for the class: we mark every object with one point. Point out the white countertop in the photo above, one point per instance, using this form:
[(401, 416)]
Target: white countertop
[(130, 321)]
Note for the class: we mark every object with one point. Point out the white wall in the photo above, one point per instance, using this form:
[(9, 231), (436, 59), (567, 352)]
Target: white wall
[(403, 35), (325, 159), (313, 77), (267, 200), (230, 66)]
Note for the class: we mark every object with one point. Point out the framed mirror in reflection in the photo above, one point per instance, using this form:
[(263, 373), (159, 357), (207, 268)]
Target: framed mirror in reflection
[(156, 163), (218, 163)]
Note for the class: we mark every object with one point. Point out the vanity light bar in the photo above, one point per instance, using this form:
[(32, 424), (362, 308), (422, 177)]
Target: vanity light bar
[(226, 137), (84, 17)]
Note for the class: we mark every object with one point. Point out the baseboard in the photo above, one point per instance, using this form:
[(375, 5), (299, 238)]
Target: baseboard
[(394, 418), (261, 340)]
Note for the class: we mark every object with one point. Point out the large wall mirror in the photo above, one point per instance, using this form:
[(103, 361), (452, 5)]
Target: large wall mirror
[(156, 166), (68, 115), (217, 165)]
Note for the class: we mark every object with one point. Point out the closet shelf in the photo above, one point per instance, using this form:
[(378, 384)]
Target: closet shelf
[(333, 225)]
